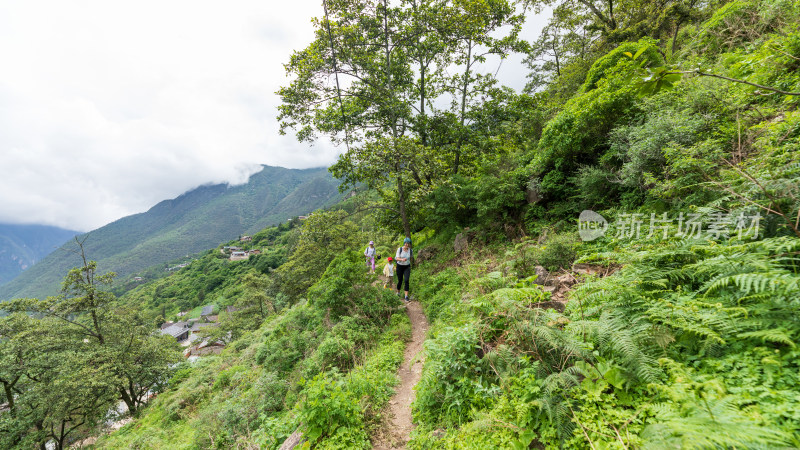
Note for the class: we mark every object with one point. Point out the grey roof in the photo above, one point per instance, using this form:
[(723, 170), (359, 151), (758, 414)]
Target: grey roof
[(176, 329), (207, 310), (197, 327)]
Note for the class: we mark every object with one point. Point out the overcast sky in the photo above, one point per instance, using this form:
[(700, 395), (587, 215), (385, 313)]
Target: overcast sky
[(108, 107)]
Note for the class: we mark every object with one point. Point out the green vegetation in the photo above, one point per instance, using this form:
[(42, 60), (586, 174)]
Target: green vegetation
[(331, 372), (656, 334), (68, 361), (690, 344)]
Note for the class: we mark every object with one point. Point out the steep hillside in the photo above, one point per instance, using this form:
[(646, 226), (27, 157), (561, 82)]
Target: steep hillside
[(22, 246), (192, 222), (664, 318)]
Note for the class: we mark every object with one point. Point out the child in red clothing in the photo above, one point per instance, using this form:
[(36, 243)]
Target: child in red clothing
[(388, 271)]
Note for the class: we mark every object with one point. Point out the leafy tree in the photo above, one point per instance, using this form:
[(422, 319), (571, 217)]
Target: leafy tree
[(371, 63), (117, 342), (53, 388), (252, 307), (323, 236)]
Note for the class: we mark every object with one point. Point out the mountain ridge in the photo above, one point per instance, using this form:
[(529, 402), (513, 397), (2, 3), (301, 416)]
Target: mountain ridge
[(23, 245), (193, 221)]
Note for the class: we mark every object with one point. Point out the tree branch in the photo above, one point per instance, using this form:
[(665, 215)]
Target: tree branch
[(372, 207), (712, 75)]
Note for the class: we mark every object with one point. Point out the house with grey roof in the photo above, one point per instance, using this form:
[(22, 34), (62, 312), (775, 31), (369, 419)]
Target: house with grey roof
[(179, 330)]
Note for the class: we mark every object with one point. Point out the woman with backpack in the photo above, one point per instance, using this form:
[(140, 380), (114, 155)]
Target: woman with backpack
[(369, 254), (403, 258)]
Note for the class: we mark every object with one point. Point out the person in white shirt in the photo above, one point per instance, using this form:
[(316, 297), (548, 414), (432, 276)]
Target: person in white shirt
[(369, 253), (403, 257)]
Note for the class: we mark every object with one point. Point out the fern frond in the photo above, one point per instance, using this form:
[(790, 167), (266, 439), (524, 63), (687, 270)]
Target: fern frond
[(774, 335)]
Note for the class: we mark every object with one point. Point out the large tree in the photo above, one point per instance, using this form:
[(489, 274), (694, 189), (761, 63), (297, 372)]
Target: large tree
[(373, 76), (68, 359), (52, 387)]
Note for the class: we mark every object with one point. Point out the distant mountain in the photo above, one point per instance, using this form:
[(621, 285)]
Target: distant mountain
[(22, 246), (197, 220)]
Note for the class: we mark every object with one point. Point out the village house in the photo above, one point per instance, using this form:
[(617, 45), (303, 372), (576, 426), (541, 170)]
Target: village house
[(179, 330), (239, 256), (189, 333), (179, 266), (204, 348), (245, 239)]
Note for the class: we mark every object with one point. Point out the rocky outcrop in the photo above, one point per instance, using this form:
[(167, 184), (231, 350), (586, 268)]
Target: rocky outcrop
[(461, 243), (559, 284), (426, 254)]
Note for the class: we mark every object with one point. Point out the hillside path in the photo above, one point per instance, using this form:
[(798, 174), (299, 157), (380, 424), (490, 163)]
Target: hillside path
[(397, 426)]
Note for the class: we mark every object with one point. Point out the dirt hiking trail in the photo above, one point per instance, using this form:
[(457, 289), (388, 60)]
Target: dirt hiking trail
[(397, 426)]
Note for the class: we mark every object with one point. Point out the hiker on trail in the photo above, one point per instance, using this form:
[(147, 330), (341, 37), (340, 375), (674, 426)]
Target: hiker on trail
[(388, 271), (403, 258), (369, 253)]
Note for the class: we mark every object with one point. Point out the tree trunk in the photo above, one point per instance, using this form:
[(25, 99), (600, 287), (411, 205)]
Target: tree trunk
[(61, 436), (423, 132), (96, 323), (401, 198), (555, 54), (457, 160), (129, 402), (7, 387), (39, 425)]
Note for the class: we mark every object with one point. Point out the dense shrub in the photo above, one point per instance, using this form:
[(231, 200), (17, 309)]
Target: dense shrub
[(578, 134), (557, 252), (454, 382), (329, 410)]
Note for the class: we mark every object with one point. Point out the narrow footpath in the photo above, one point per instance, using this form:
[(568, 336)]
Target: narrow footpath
[(396, 430)]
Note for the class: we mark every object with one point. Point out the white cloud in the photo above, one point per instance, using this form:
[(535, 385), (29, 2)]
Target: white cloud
[(107, 107)]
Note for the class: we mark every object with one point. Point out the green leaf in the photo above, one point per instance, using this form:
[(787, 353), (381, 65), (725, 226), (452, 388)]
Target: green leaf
[(640, 51)]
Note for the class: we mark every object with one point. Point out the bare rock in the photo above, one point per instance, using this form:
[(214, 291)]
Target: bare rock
[(532, 194), (462, 242), (426, 254), (293, 440), (542, 275), (565, 280)]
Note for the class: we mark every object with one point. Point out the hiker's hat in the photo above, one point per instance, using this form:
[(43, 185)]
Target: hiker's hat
[(389, 259), (371, 243), (407, 240)]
